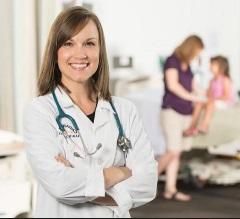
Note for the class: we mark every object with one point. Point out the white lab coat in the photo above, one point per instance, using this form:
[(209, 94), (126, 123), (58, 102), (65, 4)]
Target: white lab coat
[(66, 192)]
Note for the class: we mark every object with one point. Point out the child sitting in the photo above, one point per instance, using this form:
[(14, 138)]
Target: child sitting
[(220, 95)]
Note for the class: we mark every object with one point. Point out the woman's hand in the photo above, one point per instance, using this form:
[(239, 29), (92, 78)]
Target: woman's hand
[(61, 159), (173, 84), (115, 175), (112, 176), (201, 99), (127, 173), (105, 201)]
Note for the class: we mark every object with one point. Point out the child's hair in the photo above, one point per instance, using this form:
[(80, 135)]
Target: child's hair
[(223, 64)]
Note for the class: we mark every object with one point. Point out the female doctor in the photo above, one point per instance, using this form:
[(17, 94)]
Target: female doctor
[(88, 150)]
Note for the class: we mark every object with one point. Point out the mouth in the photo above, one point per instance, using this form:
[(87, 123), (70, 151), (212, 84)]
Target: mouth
[(79, 66)]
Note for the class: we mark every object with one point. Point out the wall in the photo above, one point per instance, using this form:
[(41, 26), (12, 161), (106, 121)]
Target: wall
[(149, 28), (47, 12), (25, 56), (6, 72), (143, 29), (31, 25)]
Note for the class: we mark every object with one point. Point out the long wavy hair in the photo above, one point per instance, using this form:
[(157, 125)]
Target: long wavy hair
[(68, 23), (187, 49)]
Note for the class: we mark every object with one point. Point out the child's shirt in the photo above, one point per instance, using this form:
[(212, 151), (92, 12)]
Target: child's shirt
[(217, 90)]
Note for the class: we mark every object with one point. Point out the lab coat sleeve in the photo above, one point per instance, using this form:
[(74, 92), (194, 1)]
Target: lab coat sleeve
[(142, 186), (69, 185)]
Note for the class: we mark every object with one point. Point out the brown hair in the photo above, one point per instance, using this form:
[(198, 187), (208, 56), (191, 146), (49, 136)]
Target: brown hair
[(68, 23), (223, 64), (187, 50)]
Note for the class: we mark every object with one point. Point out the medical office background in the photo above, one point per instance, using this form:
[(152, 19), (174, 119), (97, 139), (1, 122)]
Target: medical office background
[(142, 29), (139, 35)]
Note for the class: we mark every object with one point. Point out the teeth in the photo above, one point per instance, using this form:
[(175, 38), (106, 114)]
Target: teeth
[(79, 66)]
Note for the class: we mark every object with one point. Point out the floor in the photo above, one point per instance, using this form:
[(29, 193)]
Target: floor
[(209, 202)]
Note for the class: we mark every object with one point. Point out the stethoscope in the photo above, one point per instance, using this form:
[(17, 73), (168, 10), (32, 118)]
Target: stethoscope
[(122, 142)]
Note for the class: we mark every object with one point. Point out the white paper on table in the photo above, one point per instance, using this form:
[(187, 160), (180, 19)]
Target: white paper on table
[(229, 149), (10, 143), (9, 137)]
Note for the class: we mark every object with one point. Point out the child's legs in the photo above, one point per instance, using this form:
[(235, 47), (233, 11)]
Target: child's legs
[(210, 108), (196, 114)]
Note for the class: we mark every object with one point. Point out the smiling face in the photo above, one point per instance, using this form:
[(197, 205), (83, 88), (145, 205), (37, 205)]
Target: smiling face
[(78, 58)]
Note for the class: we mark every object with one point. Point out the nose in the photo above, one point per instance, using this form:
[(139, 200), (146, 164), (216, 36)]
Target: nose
[(80, 52)]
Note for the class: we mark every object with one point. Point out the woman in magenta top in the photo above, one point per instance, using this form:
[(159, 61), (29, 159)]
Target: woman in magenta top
[(177, 109)]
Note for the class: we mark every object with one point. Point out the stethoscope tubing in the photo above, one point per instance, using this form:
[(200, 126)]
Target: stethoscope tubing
[(62, 115)]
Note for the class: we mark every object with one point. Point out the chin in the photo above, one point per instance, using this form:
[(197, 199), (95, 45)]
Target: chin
[(81, 80), (80, 77)]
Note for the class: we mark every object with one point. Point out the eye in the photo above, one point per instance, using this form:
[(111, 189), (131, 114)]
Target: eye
[(90, 44), (68, 44)]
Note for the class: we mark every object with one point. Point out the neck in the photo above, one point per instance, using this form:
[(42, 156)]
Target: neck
[(184, 66), (219, 76), (80, 95)]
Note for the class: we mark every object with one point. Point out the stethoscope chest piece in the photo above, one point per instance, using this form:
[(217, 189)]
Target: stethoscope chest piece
[(76, 154), (124, 144)]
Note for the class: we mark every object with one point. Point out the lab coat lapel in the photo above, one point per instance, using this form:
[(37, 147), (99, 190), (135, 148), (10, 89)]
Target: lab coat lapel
[(103, 114), (64, 100), (84, 124), (86, 129)]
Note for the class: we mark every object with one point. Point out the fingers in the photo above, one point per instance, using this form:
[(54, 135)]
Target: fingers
[(62, 160), (105, 201), (126, 171)]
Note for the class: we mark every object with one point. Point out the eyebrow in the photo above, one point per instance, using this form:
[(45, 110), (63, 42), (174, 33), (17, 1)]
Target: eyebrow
[(92, 38)]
